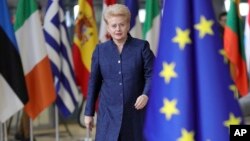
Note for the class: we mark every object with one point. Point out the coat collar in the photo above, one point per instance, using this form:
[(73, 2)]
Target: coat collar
[(127, 40)]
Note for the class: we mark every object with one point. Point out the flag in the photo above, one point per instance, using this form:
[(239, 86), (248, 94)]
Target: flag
[(234, 47), (85, 40), (151, 26), (135, 25), (13, 91), (190, 96), (36, 65), (104, 35), (60, 56), (247, 41)]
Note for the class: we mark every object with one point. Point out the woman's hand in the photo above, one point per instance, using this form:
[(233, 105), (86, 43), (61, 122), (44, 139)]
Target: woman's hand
[(89, 122), (141, 102)]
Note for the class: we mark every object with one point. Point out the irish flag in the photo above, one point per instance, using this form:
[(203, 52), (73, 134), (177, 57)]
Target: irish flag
[(234, 47), (85, 40), (36, 65), (152, 24)]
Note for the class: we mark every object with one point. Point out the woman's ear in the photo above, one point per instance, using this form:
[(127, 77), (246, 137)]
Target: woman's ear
[(128, 27)]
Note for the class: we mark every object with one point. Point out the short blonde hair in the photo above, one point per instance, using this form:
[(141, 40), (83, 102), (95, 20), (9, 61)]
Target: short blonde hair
[(116, 10)]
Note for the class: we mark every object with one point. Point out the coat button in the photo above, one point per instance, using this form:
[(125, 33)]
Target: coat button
[(119, 61), (120, 83), (119, 72)]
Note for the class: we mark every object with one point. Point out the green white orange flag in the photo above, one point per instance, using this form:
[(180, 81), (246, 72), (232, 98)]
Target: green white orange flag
[(152, 24), (234, 47), (36, 65), (85, 40)]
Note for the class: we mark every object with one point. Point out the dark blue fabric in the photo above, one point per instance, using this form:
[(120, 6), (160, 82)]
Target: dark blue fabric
[(133, 6), (120, 79), (5, 23)]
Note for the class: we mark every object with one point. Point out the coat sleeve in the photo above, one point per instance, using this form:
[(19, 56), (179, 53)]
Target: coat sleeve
[(148, 60), (95, 82)]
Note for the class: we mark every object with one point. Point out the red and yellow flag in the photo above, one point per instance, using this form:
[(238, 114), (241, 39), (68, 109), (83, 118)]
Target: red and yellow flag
[(85, 40), (234, 47)]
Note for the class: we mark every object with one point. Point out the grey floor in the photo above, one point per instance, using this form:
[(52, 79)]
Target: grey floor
[(73, 132)]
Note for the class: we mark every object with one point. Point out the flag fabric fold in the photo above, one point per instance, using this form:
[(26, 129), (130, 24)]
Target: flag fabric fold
[(151, 26), (37, 70), (234, 48), (247, 41), (85, 41), (103, 33), (191, 95), (60, 56), (13, 90), (135, 25)]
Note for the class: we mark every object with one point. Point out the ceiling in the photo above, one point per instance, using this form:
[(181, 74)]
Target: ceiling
[(13, 3), (218, 4)]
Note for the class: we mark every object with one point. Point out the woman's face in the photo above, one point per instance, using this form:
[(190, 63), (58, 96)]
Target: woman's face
[(118, 27)]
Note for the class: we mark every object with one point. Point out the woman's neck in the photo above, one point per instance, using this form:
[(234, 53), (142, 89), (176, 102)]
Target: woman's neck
[(120, 43)]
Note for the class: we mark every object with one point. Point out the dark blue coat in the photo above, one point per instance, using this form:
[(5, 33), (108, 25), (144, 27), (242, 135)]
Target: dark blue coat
[(119, 79)]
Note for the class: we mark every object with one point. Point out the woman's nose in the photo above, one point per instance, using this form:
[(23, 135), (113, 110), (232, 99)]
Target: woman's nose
[(118, 27)]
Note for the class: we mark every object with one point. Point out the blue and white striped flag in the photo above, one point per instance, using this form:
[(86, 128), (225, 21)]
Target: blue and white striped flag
[(59, 51), (135, 25)]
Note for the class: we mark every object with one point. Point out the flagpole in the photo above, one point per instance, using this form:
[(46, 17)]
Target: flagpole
[(31, 130), (5, 132), (1, 131), (57, 123)]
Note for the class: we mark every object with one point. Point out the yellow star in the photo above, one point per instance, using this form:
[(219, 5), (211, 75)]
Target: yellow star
[(235, 91), (204, 27), (182, 37), (186, 136), (232, 120), (223, 53), (169, 108), (168, 72)]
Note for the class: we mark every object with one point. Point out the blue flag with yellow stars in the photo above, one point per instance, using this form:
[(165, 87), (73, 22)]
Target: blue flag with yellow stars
[(192, 96)]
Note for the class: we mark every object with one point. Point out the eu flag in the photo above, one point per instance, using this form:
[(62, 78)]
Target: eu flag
[(192, 96)]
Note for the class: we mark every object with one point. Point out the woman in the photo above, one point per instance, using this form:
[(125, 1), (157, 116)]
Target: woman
[(120, 75)]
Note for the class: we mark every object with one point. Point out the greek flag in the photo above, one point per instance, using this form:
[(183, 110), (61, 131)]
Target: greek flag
[(59, 51)]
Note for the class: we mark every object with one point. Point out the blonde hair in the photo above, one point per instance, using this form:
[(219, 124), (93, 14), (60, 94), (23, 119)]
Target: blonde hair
[(116, 10)]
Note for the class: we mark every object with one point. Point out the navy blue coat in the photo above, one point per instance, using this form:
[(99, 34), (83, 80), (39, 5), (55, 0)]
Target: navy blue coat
[(118, 80)]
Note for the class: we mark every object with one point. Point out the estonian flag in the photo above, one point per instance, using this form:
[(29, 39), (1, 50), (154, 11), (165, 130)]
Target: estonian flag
[(13, 91)]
